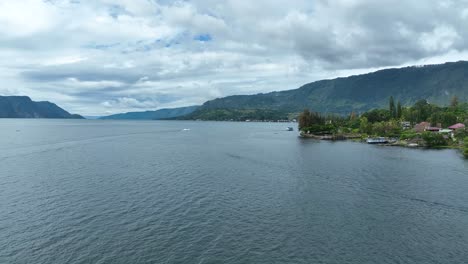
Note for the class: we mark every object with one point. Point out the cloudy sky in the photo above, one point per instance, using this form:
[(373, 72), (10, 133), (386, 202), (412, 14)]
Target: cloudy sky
[(97, 57)]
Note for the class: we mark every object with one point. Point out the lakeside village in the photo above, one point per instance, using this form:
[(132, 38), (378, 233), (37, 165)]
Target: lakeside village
[(421, 125)]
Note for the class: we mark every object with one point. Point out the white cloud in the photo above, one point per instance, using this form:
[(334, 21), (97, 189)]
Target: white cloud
[(442, 38), (96, 57), (81, 85), (464, 13), (64, 60), (26, 17), (128, 103)]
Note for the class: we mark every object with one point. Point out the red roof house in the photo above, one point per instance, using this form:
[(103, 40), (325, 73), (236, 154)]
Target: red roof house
[(457, 126), (432, 129), (421, 127)]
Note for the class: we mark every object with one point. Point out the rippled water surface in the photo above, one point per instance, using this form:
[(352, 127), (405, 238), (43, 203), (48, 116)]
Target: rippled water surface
[(77, 191)]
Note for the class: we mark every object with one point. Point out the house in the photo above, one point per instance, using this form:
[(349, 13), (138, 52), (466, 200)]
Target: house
[(448, 133), (445, 131), (432, 129), (421, 127), (457, 126), (405, 125)]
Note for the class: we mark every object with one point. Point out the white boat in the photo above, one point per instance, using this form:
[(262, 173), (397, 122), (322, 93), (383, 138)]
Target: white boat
[(378, 140), (290, 129)]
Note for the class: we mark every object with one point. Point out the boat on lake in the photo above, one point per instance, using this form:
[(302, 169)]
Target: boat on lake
[(377, 140), (290, 129)]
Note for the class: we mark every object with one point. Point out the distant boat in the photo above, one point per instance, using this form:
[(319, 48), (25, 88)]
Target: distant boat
[(186, 129), (290, 129), (378, 140)]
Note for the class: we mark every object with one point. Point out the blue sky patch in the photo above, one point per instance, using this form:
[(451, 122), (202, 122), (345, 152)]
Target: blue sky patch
[(203, 37), (101, 46)]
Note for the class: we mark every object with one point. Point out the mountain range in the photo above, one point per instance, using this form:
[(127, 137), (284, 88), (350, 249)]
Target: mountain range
[(24, 107), (435, 83), (154, 115)]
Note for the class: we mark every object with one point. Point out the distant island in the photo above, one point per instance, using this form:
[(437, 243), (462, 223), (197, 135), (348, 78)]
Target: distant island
[(24, 107), (435, 83), (161, 114)]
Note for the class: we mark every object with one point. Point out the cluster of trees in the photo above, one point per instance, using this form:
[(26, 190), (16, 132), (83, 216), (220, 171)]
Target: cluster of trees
[(308, 119), (237, 115), (395, 112), (446, 116), (421, 111), (388, 122), (434, 139)]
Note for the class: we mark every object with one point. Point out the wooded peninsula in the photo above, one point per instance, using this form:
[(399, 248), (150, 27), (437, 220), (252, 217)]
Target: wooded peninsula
[(421, 125)]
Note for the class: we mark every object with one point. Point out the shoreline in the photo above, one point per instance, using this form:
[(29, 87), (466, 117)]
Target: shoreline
[(360, 139)]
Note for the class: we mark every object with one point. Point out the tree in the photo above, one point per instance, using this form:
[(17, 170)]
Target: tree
[(434, 139), (399, 111), (392, 107), (422, 110), (465, 150), (316, 119), (353, 121), (377, 115), (444, 118), (364, 125), (313, 122), (304, 119), (461, 134), (454, 101), (390, 128)]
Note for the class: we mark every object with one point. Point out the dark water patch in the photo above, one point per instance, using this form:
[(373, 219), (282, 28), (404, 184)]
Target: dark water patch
[(77, 191)]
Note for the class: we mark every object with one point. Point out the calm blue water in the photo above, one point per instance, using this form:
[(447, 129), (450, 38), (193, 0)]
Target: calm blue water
[(74, 191)]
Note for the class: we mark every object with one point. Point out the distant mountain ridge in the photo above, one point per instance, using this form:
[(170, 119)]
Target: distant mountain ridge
[(167, 113), (24, 107), (359, 93)]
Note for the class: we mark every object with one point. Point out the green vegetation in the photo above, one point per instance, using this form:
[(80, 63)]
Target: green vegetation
[(465, 150), (395, 122), (360, 93), (24, 107), (434, 139), (237, 115), (161, 114), (392, 107), (399, 110)]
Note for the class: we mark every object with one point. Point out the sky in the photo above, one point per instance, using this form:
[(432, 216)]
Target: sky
[(100, 57)]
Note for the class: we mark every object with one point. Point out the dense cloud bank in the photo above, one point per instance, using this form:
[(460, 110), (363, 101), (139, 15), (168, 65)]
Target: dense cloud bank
[(108, 56)]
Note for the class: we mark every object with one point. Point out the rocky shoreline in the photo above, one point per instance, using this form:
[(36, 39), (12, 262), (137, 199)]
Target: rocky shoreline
[(360, 138)]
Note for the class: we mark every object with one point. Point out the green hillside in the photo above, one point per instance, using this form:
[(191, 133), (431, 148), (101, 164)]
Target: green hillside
[(24, 107), (435, 83), (153, 115)]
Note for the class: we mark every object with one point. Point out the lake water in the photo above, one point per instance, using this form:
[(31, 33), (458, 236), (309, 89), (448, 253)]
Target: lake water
[(77, 191)]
